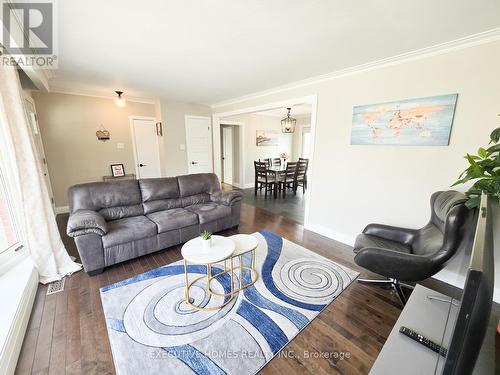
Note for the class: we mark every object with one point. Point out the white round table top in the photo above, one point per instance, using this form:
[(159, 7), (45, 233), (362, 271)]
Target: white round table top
[(244, 243), (221, 248)]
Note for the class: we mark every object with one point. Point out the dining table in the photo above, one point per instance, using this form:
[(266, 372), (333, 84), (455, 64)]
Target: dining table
[(276, 170)]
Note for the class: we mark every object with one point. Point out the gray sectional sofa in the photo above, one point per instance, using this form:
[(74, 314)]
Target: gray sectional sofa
[(115, 221)]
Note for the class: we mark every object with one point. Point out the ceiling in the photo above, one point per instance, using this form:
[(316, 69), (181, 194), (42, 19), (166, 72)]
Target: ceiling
[(299, 110), (206, 51)]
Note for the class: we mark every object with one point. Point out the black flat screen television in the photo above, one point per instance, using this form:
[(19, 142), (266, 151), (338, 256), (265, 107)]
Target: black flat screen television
[(476, 302)]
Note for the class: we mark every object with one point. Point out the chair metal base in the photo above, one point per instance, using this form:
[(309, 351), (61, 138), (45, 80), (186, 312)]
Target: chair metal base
[(396, 284)]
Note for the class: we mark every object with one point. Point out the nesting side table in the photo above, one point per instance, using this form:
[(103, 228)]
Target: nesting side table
[(193, 252), (226, 250), (244, 244)]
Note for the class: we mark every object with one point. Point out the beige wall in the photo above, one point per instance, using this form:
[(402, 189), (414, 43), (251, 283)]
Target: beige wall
[(174, 133), (352, 186), (74, 155)]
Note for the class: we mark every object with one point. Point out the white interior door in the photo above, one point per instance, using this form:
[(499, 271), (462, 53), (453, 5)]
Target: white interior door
[(37, 136), (146, 151), (227, 155), (199, 144)]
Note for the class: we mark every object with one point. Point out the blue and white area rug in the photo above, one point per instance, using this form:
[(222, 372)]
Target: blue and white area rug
[(153, 331)]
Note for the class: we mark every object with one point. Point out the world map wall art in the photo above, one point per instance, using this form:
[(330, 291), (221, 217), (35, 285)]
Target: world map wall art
[(411, 122)]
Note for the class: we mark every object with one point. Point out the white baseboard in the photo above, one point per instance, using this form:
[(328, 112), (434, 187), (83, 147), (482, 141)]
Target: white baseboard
[(61, 209), (327, 232), (23, 284), (248, 186)]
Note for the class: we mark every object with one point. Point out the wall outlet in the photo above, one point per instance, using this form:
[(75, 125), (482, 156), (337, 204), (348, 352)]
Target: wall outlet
[(182, 146), (120, 146)]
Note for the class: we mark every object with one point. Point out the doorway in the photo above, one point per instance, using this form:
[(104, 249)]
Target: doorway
[(145, 145), (267, 141), (227, 149)]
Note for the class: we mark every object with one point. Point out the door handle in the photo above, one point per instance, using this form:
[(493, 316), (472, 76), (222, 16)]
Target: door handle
[(142, 165), (194, 162)]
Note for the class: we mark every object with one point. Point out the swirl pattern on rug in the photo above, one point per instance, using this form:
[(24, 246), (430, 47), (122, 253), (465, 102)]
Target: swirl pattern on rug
[(153, 330)]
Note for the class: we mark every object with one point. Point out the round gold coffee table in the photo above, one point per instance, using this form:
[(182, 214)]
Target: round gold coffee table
[(221, 250)]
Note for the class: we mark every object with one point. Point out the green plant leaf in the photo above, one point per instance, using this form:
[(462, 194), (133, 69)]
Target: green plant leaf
[(495, 136), (475, 157), (493, 149), (482, 153), (484, 171), (472, 202)]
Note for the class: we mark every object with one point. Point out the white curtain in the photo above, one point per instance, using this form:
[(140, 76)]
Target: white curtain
[(40, 228)]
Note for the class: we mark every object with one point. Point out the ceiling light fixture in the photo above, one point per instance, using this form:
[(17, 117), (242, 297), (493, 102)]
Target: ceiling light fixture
[(288, 123), (119, 101)]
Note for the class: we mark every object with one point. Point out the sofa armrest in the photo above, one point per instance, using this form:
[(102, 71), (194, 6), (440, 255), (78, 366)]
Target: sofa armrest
[(228, 197), (396, 265), (84, 222), (397, 234)]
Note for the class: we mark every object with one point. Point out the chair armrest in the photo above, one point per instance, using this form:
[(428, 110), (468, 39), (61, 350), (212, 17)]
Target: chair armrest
[(84, 222), (228, 197), (394, 264), (401, 235)]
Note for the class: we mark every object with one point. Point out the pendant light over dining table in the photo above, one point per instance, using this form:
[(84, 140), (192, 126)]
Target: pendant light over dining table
[(288, 123)]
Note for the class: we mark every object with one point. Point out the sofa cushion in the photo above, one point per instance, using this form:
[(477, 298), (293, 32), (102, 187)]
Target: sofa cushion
[(192, 200), (120, 212), (199, 183), (128, 229), (173, 219), (160, 194), (208, 212), (113, 200), (159, 188)]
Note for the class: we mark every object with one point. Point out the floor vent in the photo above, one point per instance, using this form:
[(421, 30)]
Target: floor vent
[(56, 286)]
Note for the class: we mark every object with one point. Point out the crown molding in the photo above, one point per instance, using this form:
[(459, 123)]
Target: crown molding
[(59, 88), (276, 115), (438, 49)]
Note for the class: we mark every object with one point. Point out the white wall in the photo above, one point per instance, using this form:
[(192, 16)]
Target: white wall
[(391, 184)]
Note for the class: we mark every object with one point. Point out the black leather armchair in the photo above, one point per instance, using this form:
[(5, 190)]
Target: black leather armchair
[(412, 255)]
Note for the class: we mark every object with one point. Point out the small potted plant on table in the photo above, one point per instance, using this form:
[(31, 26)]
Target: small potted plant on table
[(206, 238)]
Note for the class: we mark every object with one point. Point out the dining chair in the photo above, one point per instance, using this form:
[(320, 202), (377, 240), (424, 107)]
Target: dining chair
[(276, 162), (266, 160), (264, 179), (301, 176), (287, 178)]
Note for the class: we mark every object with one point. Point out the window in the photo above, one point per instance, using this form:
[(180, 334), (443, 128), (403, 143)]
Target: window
[(306, 142), (9, 236)]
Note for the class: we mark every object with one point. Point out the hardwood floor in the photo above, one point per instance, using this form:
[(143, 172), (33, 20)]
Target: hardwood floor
[(67, 331), (292, 206)]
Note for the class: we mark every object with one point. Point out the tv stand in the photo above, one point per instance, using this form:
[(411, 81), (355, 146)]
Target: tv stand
[(426, 312)]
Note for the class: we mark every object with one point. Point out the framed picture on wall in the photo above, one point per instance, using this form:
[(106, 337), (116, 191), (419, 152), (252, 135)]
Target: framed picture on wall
[(266, 138), (118, 170), (411, 122)]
